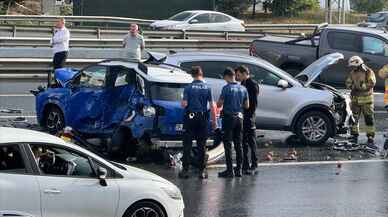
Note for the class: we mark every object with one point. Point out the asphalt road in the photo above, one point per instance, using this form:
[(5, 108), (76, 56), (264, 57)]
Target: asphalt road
[(301, 190)]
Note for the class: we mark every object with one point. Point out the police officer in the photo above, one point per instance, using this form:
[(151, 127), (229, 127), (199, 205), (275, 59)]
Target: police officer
[(361, 81), (249, 122), (383, 73), (196, 98), (233, 99)]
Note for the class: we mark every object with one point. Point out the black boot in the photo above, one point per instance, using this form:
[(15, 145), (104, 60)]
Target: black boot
[(237, 172), (184, 174), (354, 139), (203, 174), (226, 174), (371, 143)]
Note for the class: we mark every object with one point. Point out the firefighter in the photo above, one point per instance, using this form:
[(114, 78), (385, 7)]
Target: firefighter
[(383, 73), (361, 82), (197, 98), (233, 99)]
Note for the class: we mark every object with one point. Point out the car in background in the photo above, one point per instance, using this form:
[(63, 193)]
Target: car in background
[(376, 20), (313, 111), (42, 175), (200, 20)]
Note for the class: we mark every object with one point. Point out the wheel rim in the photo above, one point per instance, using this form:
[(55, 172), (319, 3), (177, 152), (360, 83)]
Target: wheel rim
[(54, 121), (145, 212), (314, 128)]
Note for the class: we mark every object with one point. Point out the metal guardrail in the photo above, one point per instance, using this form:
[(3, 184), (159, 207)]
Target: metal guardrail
[(117, 33), (117, 43)]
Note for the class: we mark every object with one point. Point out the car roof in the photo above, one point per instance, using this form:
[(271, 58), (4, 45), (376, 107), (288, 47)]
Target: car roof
[(155, 73), (207, 11), (16, 135), (361, 29)]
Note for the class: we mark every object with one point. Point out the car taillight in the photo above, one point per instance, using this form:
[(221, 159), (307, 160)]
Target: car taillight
[(252, 50)]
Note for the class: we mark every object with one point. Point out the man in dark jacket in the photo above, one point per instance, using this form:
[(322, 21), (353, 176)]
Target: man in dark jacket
[(249, 122)]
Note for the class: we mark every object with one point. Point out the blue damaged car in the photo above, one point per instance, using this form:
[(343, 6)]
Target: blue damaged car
[(118, 99)]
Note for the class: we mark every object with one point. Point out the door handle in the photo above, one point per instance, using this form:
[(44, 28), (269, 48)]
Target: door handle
[(52, 191)]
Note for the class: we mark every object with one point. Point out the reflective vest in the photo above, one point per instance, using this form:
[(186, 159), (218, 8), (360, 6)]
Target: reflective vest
[(386, 92)]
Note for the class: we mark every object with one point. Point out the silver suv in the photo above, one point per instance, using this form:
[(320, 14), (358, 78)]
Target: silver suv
[(313, 111)]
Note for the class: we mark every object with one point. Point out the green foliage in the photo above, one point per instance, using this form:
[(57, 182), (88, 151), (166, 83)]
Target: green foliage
[(369, 6), (233, 7), (293, 7), (4, 4), (66, 10)]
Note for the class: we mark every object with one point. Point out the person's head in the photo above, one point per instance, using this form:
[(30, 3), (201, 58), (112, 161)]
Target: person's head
[(196, 72), (355, 62), (133, 29), (60, 23), (229, 75), (242, 73)]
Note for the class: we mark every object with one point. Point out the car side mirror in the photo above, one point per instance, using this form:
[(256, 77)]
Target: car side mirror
[(283, 84), (193, 21), (102, 173)]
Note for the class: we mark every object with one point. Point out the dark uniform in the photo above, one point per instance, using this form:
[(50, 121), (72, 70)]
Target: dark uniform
[(234, 96), (198, 95), (249, 125)]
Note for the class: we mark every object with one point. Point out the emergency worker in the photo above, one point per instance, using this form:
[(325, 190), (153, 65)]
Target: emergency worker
[(383, 73), (233, 99), (249, 122), (361, 82), (197, 98)]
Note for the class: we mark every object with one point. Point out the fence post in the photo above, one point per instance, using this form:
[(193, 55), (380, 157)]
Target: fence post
[(226, 35), (184, 34), (98, 33), (14, 31)]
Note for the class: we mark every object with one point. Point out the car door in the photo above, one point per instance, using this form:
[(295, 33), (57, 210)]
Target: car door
[(200, 22), (347, 43), (69, 186), (19, 188), (222, 23), (120, 89), (85, 107), (375, 55)]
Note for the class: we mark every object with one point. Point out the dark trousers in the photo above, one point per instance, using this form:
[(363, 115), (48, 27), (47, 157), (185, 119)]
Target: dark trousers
[(196, 128), (249, 141), (59, 59), (232, 125)]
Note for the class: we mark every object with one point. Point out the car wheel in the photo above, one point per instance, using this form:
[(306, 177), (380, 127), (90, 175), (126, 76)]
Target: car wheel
[(145, 209), (314, 128), (54, 120)]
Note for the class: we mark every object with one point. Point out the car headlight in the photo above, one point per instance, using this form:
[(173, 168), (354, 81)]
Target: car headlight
[(172, 192), (149, 111)]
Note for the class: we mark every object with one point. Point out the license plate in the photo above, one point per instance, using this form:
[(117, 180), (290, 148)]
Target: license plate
[(179, 127)]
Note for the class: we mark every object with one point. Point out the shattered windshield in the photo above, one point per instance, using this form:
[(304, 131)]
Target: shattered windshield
[(167, 91)]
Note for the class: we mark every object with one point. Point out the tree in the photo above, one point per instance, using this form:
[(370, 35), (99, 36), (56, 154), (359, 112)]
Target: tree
[(292, 7), (368, 6), (233, 7), (6, 4)]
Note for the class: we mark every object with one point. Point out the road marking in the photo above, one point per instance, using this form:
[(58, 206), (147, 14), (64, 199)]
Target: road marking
[(215, 166), (16, 95)]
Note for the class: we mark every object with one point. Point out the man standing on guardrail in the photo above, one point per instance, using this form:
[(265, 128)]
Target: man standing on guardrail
[(60, 43), (134, 43)]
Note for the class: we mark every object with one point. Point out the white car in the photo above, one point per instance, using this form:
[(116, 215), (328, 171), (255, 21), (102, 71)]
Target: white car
[(200, 20), (42, 175)]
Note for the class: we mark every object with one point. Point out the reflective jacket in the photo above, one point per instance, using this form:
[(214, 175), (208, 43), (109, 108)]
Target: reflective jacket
[(361, 82), (383, 73)]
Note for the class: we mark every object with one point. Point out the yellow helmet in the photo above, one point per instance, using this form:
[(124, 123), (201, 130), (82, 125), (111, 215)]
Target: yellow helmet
[(355, 61)]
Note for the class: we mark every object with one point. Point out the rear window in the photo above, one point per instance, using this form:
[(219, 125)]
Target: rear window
[(11, 160), (344, 41), (211, 69)]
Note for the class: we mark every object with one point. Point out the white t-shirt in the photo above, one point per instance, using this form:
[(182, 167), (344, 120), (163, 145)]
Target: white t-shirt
[(133, 45), (60, 40)]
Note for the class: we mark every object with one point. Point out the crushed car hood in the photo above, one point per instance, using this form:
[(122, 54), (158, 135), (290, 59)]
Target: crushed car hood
[(64, 75), (316, 68)]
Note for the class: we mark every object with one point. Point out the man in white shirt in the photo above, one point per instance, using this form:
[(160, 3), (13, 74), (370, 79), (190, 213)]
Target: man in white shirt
[(133, 43), (60, 44)]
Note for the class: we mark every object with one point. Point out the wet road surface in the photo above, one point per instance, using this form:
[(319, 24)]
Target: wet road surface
[(360, 190)]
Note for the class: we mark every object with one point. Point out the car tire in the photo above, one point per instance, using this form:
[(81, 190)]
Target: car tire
[(54, 121), (146, 209), (314, 128)]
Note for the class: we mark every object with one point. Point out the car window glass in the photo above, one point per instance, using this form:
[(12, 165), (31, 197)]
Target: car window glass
[(211, 69), (219, 18), (203, 18), (263, 76), (343, 41), (56, 161), (93, 76), (11, 160), (125, 76), (372, 45)]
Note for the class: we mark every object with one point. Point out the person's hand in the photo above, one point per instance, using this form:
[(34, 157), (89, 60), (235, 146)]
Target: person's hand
[(214, 125)]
